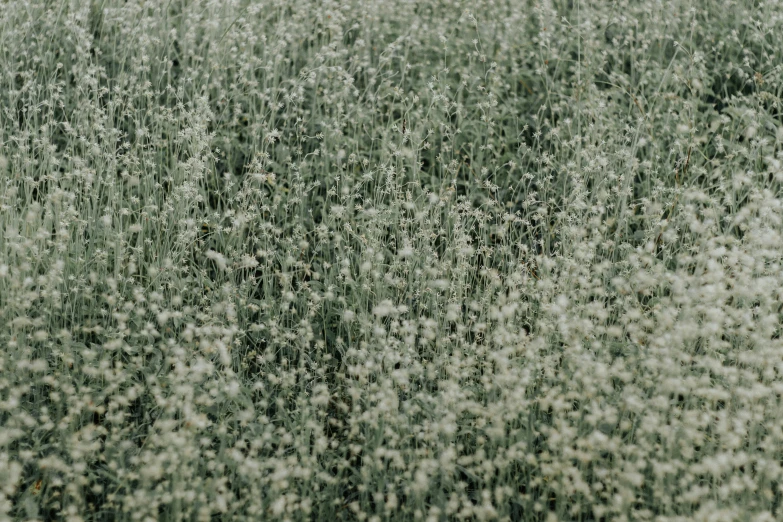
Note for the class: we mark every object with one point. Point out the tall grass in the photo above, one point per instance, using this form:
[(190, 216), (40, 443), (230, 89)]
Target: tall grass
[(435, 260)]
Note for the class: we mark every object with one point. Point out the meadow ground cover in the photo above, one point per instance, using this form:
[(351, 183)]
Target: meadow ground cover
[(378, 261)]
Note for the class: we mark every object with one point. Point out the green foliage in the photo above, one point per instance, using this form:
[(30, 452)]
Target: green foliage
[(304, 260)]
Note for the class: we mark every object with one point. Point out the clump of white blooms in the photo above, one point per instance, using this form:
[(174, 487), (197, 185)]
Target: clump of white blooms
[(312, 260)]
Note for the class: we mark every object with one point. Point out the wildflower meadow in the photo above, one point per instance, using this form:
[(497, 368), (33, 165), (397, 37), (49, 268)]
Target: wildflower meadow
[(373, 260)]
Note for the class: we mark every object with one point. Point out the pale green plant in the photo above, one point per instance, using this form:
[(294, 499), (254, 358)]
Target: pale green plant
[(298, 260)]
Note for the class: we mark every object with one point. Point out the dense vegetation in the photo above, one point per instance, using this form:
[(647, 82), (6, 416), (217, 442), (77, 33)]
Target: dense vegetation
[(372, 260)]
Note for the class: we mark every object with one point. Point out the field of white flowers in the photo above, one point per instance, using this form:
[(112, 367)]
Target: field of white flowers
[(380, 260)]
